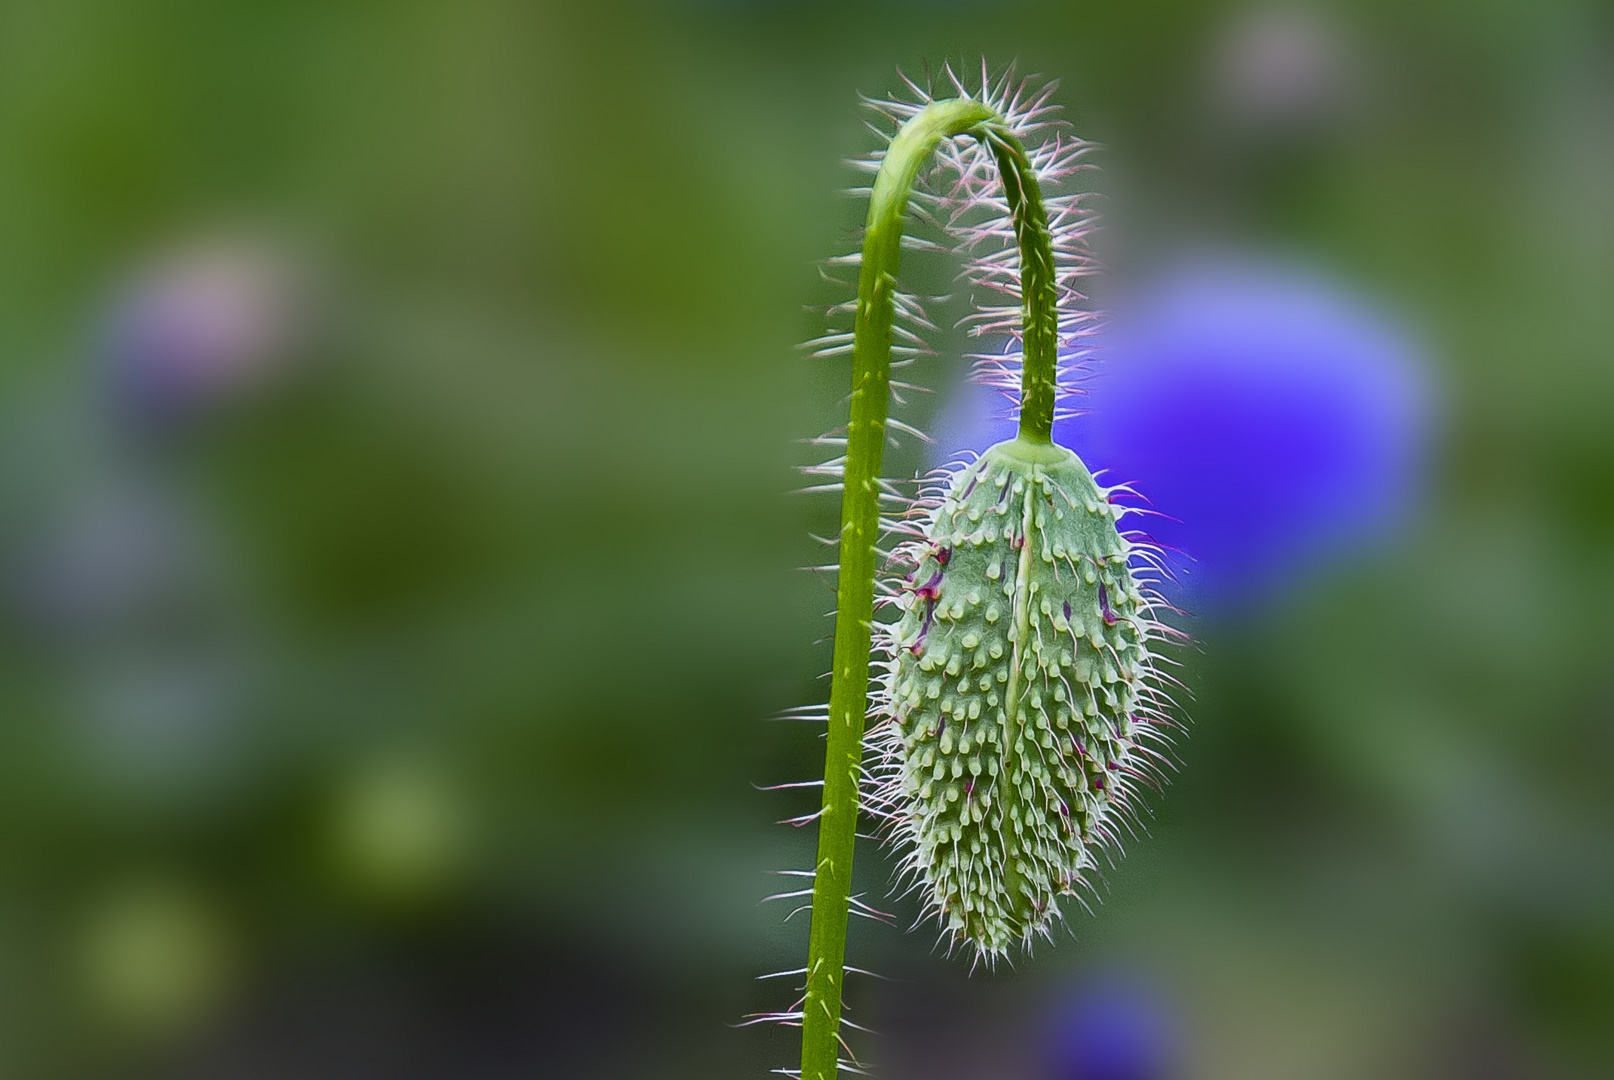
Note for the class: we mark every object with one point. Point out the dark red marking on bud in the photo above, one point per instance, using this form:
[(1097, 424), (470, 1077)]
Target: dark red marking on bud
[(1104, 608), (1067, 611), (918, 645), (931, 589), (943, 555)]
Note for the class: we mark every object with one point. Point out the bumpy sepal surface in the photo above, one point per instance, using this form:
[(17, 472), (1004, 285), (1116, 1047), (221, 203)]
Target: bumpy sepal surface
[(1020, 668)]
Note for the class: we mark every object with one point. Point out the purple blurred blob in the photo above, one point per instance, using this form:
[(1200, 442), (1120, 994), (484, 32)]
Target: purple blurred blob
[(1273, 420), (1110, 1028), (197, 328), (1278, 68)]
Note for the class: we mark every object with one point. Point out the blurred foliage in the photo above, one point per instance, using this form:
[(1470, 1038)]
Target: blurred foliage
[(398, 718)]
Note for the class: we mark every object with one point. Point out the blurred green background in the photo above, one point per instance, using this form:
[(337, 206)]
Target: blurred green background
[(386, 699)]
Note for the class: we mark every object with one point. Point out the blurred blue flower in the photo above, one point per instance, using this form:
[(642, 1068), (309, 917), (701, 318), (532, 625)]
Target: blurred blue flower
[(1110, 1027), (1272, 420)]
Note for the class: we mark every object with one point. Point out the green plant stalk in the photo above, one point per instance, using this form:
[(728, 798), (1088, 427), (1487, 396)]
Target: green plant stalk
[(1038, 286), (860, 510)]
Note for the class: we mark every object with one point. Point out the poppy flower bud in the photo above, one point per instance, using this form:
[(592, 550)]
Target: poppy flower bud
[(1021, 682)]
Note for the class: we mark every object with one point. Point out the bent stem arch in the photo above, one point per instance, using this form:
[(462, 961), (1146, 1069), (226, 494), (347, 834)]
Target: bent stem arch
[(860, 510)]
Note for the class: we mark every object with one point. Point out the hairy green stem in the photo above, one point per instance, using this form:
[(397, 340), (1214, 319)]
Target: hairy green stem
[(1039, 289), (860, 511)]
